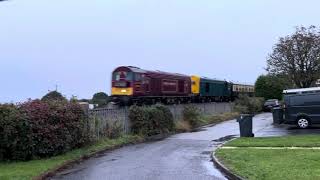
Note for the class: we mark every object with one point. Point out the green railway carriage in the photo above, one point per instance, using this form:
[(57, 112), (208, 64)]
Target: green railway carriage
[(211, 89)]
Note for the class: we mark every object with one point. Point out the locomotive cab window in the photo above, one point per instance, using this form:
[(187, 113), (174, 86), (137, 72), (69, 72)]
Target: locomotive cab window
[(137, 77), (118, 76)]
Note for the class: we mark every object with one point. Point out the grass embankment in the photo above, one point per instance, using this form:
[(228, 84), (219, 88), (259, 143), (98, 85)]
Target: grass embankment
[(31, 169), (184, 126), (273, 163), (205, 120)]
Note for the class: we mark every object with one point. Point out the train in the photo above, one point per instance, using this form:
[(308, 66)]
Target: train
[(133, 85)]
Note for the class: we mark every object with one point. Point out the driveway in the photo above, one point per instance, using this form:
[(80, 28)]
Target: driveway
[(181, 157)]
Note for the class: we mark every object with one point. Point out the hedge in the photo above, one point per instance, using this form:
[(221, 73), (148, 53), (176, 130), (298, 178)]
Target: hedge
[(152, 120), (191, 114), (37, 129)]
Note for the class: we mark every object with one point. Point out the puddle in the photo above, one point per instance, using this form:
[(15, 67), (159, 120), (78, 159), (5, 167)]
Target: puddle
[(198, 130), (226, 138), (110, 160), (206, 152)]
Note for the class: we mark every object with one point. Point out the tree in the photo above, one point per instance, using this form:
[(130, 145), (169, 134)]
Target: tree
[(53, 96), (100, 98), (297, 56), (271, 86)]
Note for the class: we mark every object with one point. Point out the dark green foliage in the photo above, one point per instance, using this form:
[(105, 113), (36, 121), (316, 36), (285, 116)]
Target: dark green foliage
[(114, 129), (15, 139), (100, 98), (271, 86), (151, 120), (248, 105), (53, 96), (192, 115), (167, 121), (139, 120), (41, 129)]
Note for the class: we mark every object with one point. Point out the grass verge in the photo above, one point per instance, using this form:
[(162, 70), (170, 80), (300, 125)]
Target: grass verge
[(273, 164), (285, 141), (31, 169)]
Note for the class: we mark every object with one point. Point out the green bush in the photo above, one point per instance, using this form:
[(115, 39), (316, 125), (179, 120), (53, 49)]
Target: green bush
[(166, 121), (139, 120), (152, 120), (192, 115), (114, 129), (249, 105)]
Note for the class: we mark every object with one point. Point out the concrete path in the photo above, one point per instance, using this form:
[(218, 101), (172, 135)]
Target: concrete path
[(181, 157)]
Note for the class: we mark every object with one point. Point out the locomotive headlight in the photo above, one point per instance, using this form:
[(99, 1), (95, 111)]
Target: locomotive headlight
[(123, 91)]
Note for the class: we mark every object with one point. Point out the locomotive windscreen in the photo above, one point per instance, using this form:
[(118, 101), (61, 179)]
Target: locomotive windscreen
[(120, 84), (122, 75)]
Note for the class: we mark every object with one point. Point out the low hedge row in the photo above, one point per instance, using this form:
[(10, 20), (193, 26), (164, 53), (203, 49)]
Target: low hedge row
[(152, 120), (37, 129), (249, 105)]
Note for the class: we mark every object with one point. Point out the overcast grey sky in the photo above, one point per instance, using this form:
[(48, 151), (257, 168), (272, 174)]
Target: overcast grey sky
[(76, 43)]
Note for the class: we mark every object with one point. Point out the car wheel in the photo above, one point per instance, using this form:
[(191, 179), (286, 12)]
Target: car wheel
[(303, 123)]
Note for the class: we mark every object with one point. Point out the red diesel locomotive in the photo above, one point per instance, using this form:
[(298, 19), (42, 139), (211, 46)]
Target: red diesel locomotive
[(132, 85)]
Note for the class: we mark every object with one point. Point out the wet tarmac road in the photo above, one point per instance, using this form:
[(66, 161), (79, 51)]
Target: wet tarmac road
[(181, 157)]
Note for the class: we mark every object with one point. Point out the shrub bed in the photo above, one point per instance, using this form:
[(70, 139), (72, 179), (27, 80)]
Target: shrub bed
[(191, 114), (248, 105), (37, 129), (152, 120)]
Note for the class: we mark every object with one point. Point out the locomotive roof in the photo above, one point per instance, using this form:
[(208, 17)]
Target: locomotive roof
[(139, 70), (136, 69), (211, 79)]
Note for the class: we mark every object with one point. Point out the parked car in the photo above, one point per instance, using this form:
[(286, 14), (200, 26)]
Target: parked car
[(302, 107), (270, 104)]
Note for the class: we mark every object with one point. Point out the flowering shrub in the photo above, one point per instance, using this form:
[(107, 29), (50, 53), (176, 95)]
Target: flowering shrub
[(41, 129)]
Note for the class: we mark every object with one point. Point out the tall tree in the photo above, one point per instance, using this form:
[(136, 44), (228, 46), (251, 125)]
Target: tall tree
[(297, 56), (271, 86), (100, 98), (53, 96)]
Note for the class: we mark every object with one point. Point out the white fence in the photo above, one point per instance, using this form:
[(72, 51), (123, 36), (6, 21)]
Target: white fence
[(103, 117)]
